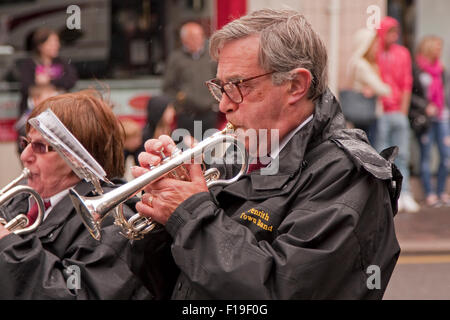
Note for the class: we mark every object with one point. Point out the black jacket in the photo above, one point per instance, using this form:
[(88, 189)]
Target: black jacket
[(419, 120), (314, 230), (37, 265)]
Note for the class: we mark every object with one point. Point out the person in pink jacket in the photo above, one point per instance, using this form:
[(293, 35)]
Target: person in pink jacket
[(395, 67)]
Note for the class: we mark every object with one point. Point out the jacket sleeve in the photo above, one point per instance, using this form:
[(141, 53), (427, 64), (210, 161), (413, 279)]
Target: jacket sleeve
[(417, 115), (68, 79), (171, 84), (407, 79), (418, 99), (315, 254), (26, 74), (87, 269), (368, 76)]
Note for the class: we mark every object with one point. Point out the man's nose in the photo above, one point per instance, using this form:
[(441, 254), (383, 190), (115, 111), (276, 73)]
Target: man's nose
[(226, 105)]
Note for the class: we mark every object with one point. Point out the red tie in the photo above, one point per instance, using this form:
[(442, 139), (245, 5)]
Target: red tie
[(33, 212), (256, 166)]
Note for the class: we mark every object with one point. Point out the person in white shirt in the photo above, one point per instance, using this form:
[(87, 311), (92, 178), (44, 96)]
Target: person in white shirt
[(364, 75)]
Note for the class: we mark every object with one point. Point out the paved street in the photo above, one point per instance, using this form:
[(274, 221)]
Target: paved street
[(423, 270), (420, 277)]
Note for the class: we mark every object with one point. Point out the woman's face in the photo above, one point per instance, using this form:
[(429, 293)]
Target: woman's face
[(50, 48), (435, 50), (50, 174)]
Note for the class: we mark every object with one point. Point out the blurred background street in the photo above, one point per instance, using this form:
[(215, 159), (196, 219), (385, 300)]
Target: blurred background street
[(423, 269)]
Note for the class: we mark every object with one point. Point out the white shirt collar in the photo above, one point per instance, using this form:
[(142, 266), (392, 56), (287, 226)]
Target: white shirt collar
[(274, 153), (53, 201)]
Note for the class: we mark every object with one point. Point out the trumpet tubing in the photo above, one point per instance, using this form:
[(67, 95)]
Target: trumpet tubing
[(18, 225), (94, 209)]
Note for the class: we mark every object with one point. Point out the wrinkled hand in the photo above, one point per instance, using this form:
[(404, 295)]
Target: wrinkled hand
[(42, 78), (368, 92), (3, 231), (163, 196), (431, 110)]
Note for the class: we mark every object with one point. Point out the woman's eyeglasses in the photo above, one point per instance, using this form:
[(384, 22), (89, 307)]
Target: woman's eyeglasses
[(37, 147)]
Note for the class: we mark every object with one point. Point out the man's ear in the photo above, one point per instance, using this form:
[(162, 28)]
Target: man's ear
[(299, 85)]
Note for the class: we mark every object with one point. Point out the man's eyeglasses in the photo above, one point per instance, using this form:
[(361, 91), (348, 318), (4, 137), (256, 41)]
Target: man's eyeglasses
[(231, 89), (37, 147)]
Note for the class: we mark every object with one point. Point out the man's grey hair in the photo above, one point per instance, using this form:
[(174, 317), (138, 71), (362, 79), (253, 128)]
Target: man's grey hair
[(287, 41)]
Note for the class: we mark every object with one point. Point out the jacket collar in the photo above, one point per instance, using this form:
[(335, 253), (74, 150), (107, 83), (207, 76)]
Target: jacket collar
[(62, 210), (327, 118), (60, 213)]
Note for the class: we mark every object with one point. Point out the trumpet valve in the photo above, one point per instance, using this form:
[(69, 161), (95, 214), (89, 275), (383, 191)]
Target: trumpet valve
[(19, 222)]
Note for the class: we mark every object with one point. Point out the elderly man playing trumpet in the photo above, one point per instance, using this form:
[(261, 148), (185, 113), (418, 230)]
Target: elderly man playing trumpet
[(318, 226), (60, 260)]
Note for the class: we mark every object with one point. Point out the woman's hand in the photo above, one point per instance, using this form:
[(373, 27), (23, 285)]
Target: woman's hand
[(368, 92), (42, 78), (431, 110)]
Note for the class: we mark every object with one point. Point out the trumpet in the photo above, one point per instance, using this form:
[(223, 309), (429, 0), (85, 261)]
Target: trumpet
[(93, 210), (19, 225)]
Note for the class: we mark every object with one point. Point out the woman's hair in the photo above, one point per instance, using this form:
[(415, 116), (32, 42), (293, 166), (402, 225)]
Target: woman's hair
[(287, 41), (91, 120), (40, 36), (426, 45)]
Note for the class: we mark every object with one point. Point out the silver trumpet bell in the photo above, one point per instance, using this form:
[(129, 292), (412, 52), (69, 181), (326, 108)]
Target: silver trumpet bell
[(93, 210), (18, 225)]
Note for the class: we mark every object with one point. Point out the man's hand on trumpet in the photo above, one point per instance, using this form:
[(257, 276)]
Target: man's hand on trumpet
[(163, 196), (3, 231)]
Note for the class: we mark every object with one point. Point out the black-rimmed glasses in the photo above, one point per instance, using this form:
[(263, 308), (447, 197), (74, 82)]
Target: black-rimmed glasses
[(231, 89), (37, 147)]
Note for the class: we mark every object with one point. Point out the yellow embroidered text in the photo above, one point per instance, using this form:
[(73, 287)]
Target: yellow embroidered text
[(260, 214)]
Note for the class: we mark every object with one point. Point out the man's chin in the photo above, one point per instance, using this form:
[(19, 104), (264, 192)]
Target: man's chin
[(35, 187)]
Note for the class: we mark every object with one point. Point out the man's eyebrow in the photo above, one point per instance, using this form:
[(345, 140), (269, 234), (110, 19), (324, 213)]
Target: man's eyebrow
[(236, 78), (232, 78)]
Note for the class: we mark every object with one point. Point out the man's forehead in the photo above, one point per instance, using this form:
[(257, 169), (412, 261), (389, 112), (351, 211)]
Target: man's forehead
[(238, 59), (249, 44)]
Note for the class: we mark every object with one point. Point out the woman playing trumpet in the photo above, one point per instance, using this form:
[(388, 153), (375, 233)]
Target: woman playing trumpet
[(60, 260)]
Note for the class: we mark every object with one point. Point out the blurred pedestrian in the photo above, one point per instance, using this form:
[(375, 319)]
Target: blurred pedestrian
[(44, 66), (365, 77), (429, 117), (36, 94), (184, 80), (161, 118), (133, 144), (393, 128)]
